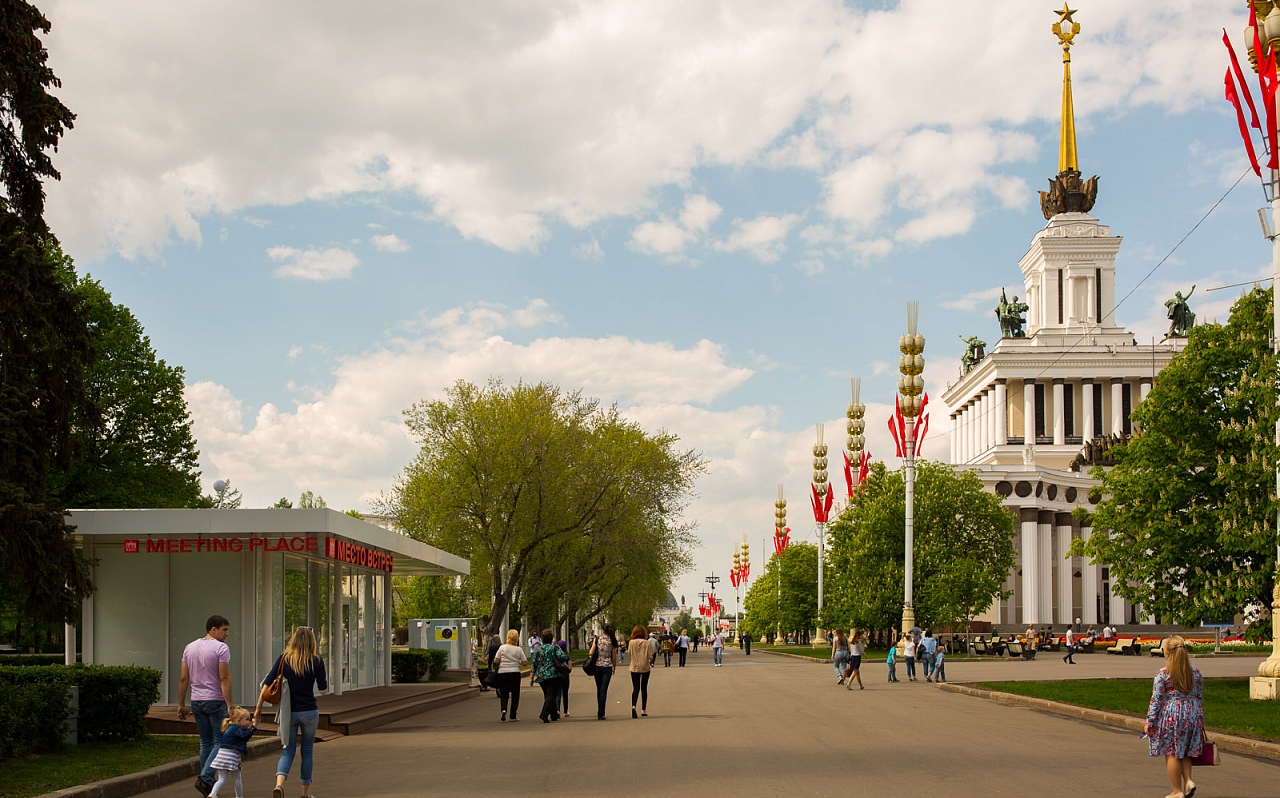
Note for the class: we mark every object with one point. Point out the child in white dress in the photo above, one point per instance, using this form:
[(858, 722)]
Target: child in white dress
[(236, 731)]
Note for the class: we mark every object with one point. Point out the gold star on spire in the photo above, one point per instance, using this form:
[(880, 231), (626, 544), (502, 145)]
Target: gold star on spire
[(1065, 14)]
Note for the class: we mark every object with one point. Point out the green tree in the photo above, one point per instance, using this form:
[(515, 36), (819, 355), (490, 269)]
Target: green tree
[(135, 448), (505, 474), (684, 620), (44, 339), (1187, 522), (282, 503), (962, 554), (796, 606), (427, 597), (311, 501)]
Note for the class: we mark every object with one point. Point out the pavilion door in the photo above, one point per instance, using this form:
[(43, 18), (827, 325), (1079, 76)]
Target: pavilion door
[(348, 640)]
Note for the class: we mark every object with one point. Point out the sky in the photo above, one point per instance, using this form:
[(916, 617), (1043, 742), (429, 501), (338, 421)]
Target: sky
[(712, 214)]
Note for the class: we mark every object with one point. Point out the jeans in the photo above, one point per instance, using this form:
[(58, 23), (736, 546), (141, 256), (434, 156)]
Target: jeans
[(911, 667), (717, 655), (306, 721), (940, 671), (640, 689), (208, 716), (839, 661), (1070, 657), (748, 645), (564, 694), (929, 658), (666, 658), (893, 671), (550, 699), (684, 652), (603, 675)]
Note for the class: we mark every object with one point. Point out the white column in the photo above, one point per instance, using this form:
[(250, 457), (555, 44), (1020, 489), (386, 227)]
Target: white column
[(955, 439), (69, 644), (1028, 411), (1001, 416), (1030, 576), (1059, 416), (1118, 615), (1088, 583), (982, 407), (337, 635), (1044, 564), (991, 417), (1117, 406), (86, 613), (1087, 433), (970, 448), (1066, 571), (1144, 388)]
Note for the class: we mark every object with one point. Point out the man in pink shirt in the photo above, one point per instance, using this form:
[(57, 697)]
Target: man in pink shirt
[(206, 669)]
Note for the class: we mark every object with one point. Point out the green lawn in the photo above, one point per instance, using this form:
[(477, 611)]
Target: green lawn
[(80, 764), (1226, 701)]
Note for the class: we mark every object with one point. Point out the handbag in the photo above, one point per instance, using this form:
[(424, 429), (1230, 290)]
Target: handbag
[(564, 668), (589, 664), (1208, 756), (271, 692)]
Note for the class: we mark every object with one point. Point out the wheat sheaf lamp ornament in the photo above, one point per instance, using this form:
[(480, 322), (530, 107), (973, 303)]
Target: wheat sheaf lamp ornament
[(909, 426)]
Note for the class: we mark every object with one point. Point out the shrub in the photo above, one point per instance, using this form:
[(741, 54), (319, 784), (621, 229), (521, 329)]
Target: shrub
[(410, 666), (31, 659), (33, 716), (114, 699)]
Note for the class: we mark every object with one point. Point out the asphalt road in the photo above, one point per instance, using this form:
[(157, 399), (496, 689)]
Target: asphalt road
[(767, 726)]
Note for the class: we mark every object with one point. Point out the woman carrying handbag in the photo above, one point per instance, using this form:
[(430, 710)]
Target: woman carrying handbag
[(550, 663), (293, 681), (1175, 717)]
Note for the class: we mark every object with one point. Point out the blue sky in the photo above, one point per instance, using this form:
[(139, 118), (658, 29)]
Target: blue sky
[(709, 213)]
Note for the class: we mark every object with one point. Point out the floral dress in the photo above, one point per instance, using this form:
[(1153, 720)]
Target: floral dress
[(1176, 719)]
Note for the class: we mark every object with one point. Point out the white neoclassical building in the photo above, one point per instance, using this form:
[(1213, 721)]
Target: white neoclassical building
[(1034, 404)]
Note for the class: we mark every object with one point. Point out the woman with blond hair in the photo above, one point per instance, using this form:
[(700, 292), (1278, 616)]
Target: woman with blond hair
[(302, 672), (1175, 717), (508, 660)]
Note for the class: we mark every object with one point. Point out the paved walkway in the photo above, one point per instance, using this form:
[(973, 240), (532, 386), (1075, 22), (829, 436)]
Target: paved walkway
[(767, 726)]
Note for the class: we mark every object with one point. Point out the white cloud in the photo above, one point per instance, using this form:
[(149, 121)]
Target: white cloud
[(811, 266), (764, 236), (389, 243), (507, 120), (313, 264), (975, 299), (669, 238), (590, 250), (294, 351)]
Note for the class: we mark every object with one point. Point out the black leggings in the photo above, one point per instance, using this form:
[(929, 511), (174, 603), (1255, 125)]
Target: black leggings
[(550, 699), (508, 688), (640, 687), (683, 653)]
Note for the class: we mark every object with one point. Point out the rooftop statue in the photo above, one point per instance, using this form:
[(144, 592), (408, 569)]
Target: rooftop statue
[(973, 355), (1009, 314), (1180, 316)]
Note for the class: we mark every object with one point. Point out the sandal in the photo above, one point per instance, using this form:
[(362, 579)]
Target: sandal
[(1190, 792)]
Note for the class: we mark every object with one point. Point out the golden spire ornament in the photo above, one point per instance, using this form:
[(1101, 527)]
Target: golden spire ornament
[(1067, 192)]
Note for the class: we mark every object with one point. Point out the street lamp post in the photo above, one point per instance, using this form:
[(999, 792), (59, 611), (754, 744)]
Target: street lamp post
[(910, 387), (781, 537), (711, 605)]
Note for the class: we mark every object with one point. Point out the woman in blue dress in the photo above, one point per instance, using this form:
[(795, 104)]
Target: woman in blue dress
[(1175, 717)]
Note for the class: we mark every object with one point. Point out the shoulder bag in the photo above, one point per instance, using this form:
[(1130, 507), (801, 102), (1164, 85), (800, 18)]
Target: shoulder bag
[(563, 667), (589, 665), (1208, 756), (271, 692)]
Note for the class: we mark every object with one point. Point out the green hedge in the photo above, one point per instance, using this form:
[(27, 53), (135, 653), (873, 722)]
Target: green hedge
[(410, 666), (28, 660), (114, 699), (33, 716)]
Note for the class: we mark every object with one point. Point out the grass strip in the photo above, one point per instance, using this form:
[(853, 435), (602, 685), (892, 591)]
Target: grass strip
[(1227, 706), (81, 764)]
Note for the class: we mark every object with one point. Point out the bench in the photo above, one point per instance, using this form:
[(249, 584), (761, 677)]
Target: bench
[(1126, 645), (995, 647), (1015, 648), (1084, 646)]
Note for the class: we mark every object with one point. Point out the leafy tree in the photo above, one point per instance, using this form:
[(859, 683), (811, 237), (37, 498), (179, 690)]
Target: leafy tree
[(135, 448), (963, 549), (1189, 508), (311, 501), (684, 620), (796, 607), (427, 597), (506, 474), (282, 504), (44, 340)]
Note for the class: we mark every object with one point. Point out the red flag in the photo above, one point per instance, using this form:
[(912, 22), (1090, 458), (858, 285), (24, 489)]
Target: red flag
[(921, 432), (1234, 99), (1248, 95), (826, 507), (733, 577), (1267, 82), (848, 474), (893, 430), (864, 467)]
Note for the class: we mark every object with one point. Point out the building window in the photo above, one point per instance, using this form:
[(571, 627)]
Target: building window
[(1126, 404), (1039, 409), (1097, 410), (1069, 409)]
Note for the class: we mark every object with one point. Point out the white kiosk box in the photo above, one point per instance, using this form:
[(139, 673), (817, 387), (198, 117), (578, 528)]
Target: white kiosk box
[(161, 573)]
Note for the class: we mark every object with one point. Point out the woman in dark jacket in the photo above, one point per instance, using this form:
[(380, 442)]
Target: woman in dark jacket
[(304, 671)]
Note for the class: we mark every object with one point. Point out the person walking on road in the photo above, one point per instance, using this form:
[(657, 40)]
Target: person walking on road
[(564, 679), (640, 648), (237, 728), (604, 650), (939, 672), (891, 659), (1070, 641), (508, 660), (548, 662), (206, 669), (1175, 716), (746, 642), (668, 643), (303, 672), (856, 648), (930, 645), (839, 653), (909, 654), (717, 648), (682, 645)]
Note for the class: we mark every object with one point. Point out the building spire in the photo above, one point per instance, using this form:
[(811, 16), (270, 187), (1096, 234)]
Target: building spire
[(1067, 192), (1066, 29)]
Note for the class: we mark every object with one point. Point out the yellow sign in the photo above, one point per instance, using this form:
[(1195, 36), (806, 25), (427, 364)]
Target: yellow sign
[(446, 633)]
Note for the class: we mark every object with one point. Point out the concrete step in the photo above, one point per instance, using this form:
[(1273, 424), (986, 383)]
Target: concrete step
[(365, 718)]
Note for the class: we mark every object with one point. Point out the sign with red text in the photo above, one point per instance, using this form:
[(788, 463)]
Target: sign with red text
[(300, 544), (355, 554)]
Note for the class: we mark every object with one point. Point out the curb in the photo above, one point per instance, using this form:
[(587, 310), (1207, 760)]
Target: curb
[(794, 656), (156, 777), (1226, 742)]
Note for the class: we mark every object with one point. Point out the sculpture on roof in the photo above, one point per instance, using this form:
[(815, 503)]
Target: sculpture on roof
[(1180, 316), (1010, 316), (973, 355)]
